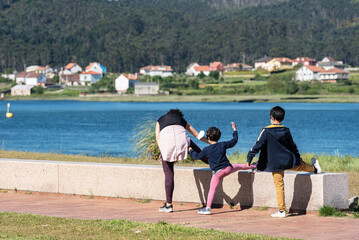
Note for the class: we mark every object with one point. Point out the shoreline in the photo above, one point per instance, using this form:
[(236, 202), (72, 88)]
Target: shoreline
[(345, 98)]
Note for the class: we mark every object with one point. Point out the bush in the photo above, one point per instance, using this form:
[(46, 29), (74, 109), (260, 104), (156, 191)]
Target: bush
[(38, 90), (327, 211), (145, 140)]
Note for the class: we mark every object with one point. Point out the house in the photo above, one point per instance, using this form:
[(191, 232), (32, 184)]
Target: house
[(216, 66), (149, 88), (20, 77), (162, 70), (279, 64), (21, 90), (36, 79), (71, 68), (262, 62), (32, 68), (237, 67), (125, 81), (309, 73), (333, 74), (96, 67), (305, 61), (204, 69), (329, 62), (88, 78), (190, 69), (71, 79)]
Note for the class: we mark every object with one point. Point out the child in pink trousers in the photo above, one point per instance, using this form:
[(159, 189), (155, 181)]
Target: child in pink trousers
[(218, 161)]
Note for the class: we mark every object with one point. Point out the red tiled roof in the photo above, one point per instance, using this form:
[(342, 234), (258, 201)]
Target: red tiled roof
[(283, 60), (202, 69), (22, 74), (315, 68), (157, 68), (70, 65), (336, 70), (33, 75), (91, 73), (130, 76), (215, 64)]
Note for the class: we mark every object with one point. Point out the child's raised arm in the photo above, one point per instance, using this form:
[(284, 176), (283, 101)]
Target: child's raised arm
[(234, 126)]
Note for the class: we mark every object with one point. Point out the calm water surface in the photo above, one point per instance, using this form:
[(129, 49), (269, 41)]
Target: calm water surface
[(98, 128)]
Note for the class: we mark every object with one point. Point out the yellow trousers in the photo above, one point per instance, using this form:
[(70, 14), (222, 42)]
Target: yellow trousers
[(279, 182)]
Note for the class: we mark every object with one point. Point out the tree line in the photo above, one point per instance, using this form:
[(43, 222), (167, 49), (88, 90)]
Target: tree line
[(126, 35)]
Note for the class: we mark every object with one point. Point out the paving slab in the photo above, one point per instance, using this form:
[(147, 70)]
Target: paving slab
[(308, 226)]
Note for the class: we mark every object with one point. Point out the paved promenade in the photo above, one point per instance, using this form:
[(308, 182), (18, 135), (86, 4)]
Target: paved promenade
[(308, 226)]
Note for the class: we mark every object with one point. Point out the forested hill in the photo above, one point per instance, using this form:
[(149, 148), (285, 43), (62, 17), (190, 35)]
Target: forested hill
[(125, 35)]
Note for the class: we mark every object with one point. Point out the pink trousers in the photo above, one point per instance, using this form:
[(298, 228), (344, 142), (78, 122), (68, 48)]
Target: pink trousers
[(217, 179)]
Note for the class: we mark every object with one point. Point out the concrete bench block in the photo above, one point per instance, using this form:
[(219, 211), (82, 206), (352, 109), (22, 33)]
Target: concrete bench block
[(303, 191)]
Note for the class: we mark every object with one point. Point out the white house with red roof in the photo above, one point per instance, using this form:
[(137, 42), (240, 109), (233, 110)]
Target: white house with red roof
[(72, 68), (36, 79), (216, 66), (88, 78), (96, 67), (161, 70), (305, 61), (125, 81), (309, 73), (204, 69), (190, 69), (20, 77)]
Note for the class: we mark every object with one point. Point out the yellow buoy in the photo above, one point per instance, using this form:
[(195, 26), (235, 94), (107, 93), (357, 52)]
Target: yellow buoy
[(9, 114)]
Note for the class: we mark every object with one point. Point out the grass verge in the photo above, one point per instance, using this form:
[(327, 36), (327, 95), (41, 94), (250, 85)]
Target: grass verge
[(26, 226)]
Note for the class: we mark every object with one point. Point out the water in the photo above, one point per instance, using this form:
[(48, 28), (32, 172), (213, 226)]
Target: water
[(101, 128)]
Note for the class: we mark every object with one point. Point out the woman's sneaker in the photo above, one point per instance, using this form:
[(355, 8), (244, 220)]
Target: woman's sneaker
[(205, 210), (315, 164), (164, 208), (280, 214)]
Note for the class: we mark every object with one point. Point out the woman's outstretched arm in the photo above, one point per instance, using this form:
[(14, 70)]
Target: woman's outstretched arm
[(193, 131)]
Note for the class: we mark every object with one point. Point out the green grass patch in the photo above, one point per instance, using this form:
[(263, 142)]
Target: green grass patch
[(262, 208), (327, 211), (26, 226)]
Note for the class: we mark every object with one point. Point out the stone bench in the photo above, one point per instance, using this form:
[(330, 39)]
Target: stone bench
[(303, 191)]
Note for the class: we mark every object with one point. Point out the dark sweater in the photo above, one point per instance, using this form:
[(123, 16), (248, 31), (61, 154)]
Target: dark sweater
[(277, 149), (216, 153)]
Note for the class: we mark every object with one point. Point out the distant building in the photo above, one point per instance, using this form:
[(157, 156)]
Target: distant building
[(20, 77), (262, 63), (279, 64), (190, 69), (329, 62), (162, 70), (71, 68), (237, 67), (125, 81), (216, 66), (150, 88), (204, 69), (21, 90), (96, 67), (71, 79), (305, 61), (36, 79), (88, 78), (309, 73)]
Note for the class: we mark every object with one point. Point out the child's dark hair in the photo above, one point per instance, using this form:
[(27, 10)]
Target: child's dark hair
[(213, 133), (176, 111), (277, 113)]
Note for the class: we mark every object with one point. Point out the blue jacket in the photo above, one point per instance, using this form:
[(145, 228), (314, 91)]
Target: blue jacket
[(277, 149), (216, 153)]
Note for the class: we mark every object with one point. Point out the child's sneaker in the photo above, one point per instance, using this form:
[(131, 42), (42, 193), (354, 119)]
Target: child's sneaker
[(315, 163), (205, 210), (279, 214), (164, 208)]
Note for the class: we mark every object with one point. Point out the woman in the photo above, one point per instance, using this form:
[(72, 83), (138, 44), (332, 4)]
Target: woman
[(172, 139)]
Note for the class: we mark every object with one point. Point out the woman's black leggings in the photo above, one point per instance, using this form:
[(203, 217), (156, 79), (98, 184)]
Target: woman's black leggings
[(169, 174)]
